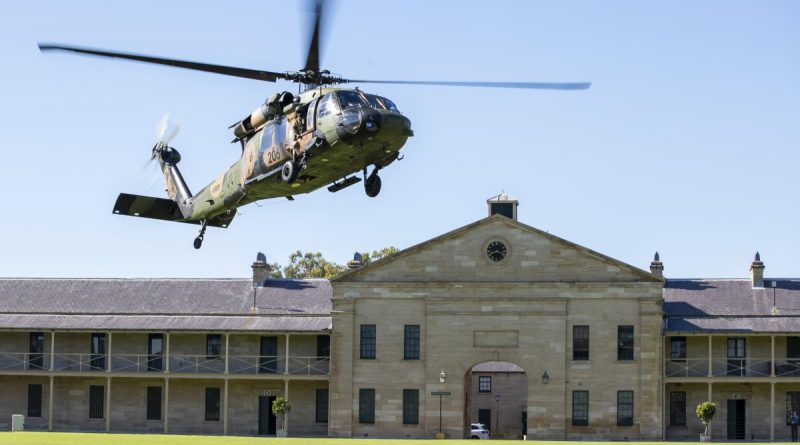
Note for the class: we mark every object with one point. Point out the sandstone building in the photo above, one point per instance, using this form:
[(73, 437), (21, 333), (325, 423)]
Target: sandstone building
[(495, 322)]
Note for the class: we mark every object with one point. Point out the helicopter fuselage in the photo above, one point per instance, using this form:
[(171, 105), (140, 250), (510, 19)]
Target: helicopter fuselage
[(326, 134)]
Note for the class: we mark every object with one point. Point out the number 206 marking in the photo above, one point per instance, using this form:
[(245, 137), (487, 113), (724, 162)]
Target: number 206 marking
[(273, 155)]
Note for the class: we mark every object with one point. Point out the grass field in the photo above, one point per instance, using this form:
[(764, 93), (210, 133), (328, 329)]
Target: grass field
[(33, 438)]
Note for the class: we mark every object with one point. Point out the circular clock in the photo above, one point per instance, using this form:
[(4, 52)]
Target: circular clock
[(496, 251)]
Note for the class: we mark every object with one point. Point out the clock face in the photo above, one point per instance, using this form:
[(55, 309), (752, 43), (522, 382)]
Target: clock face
[(496, 251)]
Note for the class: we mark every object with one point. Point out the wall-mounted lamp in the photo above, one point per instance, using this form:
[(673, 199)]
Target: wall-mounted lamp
[(442, 376), (545, 378)]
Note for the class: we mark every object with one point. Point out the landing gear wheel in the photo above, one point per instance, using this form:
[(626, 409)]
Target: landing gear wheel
[(198, 242), (289, 172), (372, 185)]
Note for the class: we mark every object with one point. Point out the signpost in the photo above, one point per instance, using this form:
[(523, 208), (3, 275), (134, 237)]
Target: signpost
[(440, 394)]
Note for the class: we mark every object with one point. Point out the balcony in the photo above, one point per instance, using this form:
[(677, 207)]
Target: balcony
[(731, 367), (178, 364)]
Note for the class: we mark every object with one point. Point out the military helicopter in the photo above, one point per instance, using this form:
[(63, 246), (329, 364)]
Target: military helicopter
[(291, 144)]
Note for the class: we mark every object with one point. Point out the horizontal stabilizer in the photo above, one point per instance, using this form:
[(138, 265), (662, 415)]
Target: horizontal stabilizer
[(160, 208)]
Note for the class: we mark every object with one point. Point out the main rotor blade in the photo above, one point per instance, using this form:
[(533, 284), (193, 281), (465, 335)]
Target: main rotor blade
[(524, 85), (312, 60), (267, 76)]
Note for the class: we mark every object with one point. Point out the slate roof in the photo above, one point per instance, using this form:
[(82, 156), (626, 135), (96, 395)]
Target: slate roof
[(175, 304), (706, 305)]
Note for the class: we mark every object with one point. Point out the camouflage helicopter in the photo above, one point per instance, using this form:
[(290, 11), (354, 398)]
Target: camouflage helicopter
[(291, 144)]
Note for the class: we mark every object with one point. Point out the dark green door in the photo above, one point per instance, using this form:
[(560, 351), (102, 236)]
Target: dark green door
[(266, 420), (485, 417), (736, 416)]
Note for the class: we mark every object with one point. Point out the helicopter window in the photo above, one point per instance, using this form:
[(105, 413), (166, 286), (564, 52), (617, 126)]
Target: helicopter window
[(349, 99), (374, 101), (388, 104), (310, 115), (327, 105)]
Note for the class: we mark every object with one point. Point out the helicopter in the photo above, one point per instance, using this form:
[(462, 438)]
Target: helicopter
[(326, 135)]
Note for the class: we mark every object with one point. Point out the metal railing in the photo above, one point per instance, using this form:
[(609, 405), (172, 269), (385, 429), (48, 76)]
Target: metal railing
[(731, 367), (21, 361), (147, 363)]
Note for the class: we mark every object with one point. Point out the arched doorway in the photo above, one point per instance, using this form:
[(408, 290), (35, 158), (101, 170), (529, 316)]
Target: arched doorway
[(496, 396)]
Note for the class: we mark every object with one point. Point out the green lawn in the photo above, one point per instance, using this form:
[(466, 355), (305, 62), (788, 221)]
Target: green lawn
[(31, 438)]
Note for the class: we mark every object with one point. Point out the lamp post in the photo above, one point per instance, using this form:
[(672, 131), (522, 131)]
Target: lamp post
[(545, 378), (497, 416), (442, 379)]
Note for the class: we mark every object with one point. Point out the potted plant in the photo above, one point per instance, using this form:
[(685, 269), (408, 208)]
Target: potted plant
[(705, 412), (280, 409)]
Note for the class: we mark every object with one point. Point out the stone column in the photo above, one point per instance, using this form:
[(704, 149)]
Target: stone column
[(709, 399), (50, 405), (108, 353), (286, 359), (772, 358), (166, 353), (285, 396), (710, 363), (227, 350), (52, 351), (772, 403), (166, 405), (225, 408), (108, 404)]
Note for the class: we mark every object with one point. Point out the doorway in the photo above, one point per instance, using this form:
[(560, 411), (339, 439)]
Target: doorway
[(268, 361), (736, 419), (266, 420), (494, 392), (485, 417)]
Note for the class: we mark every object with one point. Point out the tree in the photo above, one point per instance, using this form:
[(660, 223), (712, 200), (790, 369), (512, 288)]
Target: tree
[(311, 265), (280, 409), (367, 258), (274, 271), (705, 412)]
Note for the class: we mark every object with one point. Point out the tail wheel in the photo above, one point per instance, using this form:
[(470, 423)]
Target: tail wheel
[(289, 172)]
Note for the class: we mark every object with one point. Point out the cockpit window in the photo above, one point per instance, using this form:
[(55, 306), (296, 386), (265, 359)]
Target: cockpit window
[(373, 100), (349, 99), (327, 105), (388, 104)]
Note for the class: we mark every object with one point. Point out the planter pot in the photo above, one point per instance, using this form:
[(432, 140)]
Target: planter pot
[(705, 438), (281, 433)]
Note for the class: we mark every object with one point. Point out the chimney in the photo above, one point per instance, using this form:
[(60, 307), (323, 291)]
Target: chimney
[(657, 267), (757, 271), (260, 270), (503, 204), (356, 262)]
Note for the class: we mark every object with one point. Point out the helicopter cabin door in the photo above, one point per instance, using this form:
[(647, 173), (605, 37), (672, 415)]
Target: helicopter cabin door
[(328, 112)]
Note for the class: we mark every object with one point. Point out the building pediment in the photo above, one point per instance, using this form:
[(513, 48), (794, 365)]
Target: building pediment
[(497, 249)]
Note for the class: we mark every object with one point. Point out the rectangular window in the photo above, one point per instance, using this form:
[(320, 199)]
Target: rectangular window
[(96, 401), (213, 346), (368, 339), (323, 347), (212, 404), (737, 353), (580, 408), (410, 406), (624, 342), (580, 343), (677, 348), (411, 342), (624, 408), (322, 405), (35, 400), (793, 347), (97, 361), (153, 403), (792, 404), (677, 408), (36, 351), (485, 383), (366, 405), (155, 351)]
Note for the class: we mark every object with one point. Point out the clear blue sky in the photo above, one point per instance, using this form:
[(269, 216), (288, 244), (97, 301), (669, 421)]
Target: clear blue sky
[(687, 142)]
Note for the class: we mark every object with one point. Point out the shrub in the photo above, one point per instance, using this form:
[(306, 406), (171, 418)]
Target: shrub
[(705, 412)]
